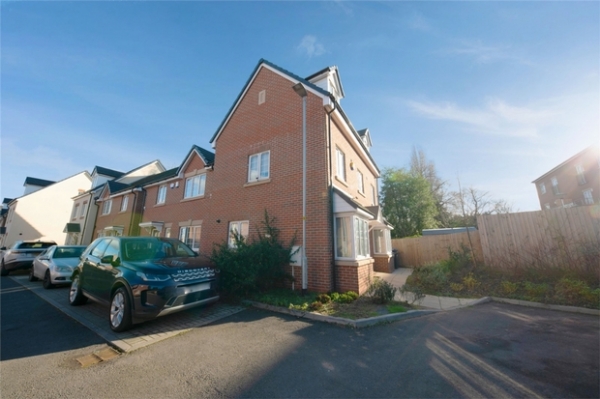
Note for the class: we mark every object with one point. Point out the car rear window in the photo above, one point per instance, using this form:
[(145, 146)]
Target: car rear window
[(68, 252), (36, 245)]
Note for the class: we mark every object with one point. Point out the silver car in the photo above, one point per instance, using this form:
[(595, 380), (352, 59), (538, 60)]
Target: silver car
[(56, 264)]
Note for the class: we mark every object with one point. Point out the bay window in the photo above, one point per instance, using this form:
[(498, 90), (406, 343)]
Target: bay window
[(352, 237)]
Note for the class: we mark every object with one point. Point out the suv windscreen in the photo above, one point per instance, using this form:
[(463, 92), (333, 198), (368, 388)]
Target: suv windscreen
[(153, 248)]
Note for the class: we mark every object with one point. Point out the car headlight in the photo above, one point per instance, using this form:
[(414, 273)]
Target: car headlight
[(64, 269), (153, 277)]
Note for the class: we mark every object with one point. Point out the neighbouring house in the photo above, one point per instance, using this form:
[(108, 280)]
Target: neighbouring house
[(42, 210), (80, 227), (574, 182), (116, 203)]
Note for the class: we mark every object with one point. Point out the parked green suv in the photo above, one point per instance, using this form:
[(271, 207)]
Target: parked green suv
[(142, 278)]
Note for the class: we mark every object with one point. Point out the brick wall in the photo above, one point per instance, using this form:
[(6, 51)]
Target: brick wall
[(383, 263)]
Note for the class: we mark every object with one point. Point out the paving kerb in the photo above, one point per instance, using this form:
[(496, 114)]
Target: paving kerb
[(95, 317)]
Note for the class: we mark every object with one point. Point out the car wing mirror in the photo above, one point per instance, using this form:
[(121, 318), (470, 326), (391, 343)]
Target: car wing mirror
[(110, 260)]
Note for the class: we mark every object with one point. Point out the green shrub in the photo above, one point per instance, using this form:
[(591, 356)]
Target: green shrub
[(536, 292), (253, 267), (576, 293), (381, 291), (470, 282), (316, 305), (508, 288), (457, 260), (457, 287), (412, 293), (335, 297), (352, 294), (323, 298)]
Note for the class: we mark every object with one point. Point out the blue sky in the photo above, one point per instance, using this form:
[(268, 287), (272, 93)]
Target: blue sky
[(495, 93)]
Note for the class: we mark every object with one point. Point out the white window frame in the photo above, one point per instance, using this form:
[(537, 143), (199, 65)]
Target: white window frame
[(357, 237), (195, 186), (239, 226), (555, 188), (107, 207), (75, 212), (256, 166), (83, 209), (580, 174), (361, 181), (340, 159), (191, 235), (588, 197), (124, 203), (167, 232), (161, 196), (386, 241), (542, 188)]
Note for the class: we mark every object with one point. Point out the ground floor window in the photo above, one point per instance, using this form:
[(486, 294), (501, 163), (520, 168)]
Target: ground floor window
[(167, 232), (72, 239), (191, 236), (352, 237), (236, 228), (382, 241)]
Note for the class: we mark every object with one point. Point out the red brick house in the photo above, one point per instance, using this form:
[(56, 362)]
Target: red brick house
[(257, 166), (574, 182)]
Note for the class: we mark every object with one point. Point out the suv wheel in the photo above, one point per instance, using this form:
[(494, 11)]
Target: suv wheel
[(76, 297), (3, 271), (120, 310)]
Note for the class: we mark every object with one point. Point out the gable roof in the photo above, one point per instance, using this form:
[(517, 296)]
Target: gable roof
[(107, 172), (591, 149), (327, 70), (207, 157), (33, 181), (167, 174), (262, 63), (114, 186)]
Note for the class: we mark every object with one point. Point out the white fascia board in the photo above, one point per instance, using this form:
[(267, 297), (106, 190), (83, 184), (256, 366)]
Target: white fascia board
[(326, 99), (347, 131), (163, 181), (120, 193)]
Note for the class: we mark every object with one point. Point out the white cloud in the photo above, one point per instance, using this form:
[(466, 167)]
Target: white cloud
[(495, 117), (485, 54), (311, 46)]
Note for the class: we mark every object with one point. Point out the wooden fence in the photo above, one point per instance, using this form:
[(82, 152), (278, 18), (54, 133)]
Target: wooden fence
[(562, 237), (419, 251)]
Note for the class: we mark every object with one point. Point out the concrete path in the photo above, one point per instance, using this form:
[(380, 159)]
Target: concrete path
[(398, 279)]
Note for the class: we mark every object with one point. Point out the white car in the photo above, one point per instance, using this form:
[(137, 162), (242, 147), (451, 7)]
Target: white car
[(56, 264)]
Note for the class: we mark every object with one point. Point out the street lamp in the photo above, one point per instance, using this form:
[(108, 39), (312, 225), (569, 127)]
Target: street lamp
[(301, 91)]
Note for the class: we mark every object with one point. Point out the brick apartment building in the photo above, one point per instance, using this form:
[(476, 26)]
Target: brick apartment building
[(574, 182), (257, 166)]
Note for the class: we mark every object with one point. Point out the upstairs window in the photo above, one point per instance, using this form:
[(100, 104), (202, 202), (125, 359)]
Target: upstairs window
[(124, 203), (83, 209), (580, 174), (106, 207), (361, 182), (258, 166), (340, 164), (162, 194), (555, 189), (542, 188), (75, 211), (194, 186), (587, 197)]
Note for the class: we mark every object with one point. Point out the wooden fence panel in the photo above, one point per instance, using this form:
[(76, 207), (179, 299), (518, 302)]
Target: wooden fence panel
[(562, 237), (419, 251)]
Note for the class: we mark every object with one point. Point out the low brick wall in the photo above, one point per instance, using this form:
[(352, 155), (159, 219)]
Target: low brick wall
[(383, 263), (354, 276)]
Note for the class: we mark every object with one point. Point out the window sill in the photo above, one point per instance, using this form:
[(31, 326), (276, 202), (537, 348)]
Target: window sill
[(257, 183), (161, 204), (341, 181), (361, 193), (192, 198)]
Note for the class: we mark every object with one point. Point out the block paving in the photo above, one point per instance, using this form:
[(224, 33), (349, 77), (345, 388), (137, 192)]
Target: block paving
[(95, 317)]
